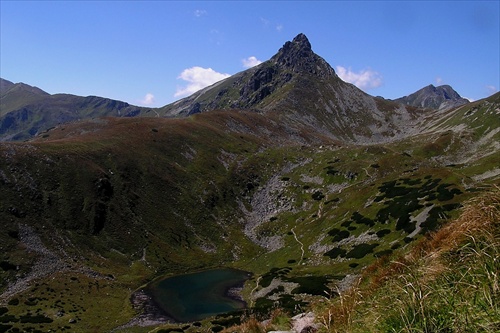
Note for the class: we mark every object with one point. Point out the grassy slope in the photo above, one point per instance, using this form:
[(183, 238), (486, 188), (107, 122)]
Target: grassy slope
[(165, 188)]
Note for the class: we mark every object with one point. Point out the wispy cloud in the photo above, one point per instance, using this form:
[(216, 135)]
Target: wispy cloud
[(149, 99), (439, 80), (250, 62), (198, 78), (200, 13), (365, 79), (216, 37), (491, 89), (265, 22), (268, 23)]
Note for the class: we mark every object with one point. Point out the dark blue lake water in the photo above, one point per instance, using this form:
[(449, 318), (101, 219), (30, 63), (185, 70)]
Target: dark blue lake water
[(192, 297)]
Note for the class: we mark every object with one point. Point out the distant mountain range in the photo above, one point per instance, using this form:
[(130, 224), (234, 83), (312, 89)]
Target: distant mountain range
[(295, 85), (26, 111)]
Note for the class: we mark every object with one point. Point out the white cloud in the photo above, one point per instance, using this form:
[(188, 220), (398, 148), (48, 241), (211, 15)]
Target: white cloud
[(265, 22), (200, 12), (364, 79), (149, 99), (250, 62), (491, 89), (198, 78), (439, 80), (279, 27)]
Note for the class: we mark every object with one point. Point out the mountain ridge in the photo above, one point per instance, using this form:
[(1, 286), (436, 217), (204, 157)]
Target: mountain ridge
[(26, 111), (295, 73)]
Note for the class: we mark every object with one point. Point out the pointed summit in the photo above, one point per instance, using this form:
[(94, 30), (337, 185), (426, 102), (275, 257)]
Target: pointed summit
[(299, 57), (294, 52), (302, 39)]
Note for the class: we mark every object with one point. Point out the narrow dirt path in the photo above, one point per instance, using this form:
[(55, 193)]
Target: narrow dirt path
[(301, 246), (253, 290)]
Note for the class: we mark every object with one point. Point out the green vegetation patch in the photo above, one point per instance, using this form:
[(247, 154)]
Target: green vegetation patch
[(383, 253), (338, 234), (360, 219), (435, 214), (228, 319), (7, 266), (8, 319), (318, 195), (335, 253), (35, 319), (404, 197), (312, 285), (5, 328), (361, 250), (272, 274), (382, 233)]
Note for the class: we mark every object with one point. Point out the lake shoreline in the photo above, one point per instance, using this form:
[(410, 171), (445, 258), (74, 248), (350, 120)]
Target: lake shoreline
[(175, 289), (149, 313)]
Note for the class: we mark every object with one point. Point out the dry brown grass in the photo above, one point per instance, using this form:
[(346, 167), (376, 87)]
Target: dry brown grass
[(339, 313)]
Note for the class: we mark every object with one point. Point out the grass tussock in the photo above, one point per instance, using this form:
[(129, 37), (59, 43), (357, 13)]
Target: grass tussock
[(278, 320), (338, 312)]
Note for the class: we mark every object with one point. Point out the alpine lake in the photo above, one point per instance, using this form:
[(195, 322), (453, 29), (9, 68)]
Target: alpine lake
[(195, 296)]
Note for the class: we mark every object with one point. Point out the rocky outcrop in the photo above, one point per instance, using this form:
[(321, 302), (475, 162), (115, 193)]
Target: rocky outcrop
[(104, 192), (298, 57)]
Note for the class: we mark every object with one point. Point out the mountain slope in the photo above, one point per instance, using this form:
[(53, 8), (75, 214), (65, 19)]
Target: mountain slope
[(120, 201), (439, 98), (13, 96), (26, 111)]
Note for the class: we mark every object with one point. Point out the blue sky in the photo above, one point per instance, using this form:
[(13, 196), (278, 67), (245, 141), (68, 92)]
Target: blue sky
[(155, 52)]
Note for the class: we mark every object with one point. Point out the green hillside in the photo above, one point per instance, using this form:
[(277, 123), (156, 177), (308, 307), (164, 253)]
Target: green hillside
[(117, 202)]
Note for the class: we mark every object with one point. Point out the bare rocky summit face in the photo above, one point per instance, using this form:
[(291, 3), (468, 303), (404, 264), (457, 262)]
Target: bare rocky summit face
[(439, 98)]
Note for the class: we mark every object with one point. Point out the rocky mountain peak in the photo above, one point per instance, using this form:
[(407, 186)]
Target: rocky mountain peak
[(294, 52), (297, 56), (443, 97), (300, 42)]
